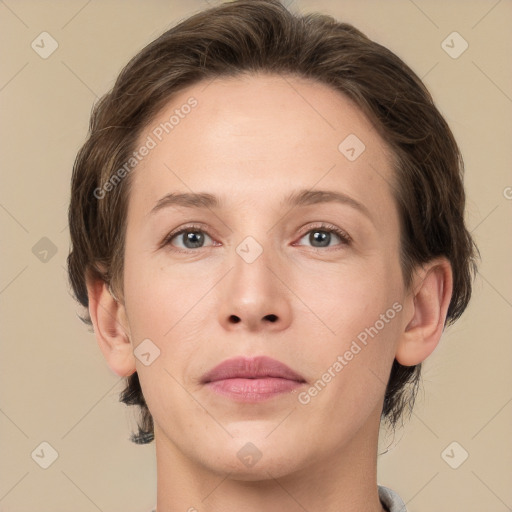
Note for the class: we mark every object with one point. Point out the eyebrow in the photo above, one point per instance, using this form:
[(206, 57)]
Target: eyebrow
[(302, 197)]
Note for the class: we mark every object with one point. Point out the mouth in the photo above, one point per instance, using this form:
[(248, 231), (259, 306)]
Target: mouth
[(252, 379)]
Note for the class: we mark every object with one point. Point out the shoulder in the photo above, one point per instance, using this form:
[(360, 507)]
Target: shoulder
[(391, 500)]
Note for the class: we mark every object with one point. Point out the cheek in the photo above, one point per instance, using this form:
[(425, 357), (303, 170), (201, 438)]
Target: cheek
[(156, 299), (166, 306), (160, 307), (343, 299), (351, 321), (351, 369)]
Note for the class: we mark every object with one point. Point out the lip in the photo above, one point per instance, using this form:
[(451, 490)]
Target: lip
[(254, 379), (251, 368)]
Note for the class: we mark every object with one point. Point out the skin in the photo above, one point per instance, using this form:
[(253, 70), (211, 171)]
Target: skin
[(253, 140)]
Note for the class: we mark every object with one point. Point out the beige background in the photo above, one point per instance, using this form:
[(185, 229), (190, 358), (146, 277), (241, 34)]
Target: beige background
[(55, 385)]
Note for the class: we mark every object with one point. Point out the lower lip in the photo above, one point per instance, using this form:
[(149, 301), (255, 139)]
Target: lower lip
[(253, 390)]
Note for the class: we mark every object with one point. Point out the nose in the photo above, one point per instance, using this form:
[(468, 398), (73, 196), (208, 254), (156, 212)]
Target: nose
[(254, 295)]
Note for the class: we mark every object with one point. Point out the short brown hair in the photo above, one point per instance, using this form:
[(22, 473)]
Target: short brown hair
[(249, 36)]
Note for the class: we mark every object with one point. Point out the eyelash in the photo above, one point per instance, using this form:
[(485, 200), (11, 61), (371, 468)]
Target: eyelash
[(328, 228)]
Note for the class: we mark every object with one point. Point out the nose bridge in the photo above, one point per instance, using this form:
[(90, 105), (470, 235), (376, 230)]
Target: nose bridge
[(252, 260), (253, 242)]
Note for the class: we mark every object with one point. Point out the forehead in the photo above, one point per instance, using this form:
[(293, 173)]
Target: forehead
[(253, 137)]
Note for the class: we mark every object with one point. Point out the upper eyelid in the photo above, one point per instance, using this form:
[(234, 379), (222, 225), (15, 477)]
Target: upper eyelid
[(327, 227)]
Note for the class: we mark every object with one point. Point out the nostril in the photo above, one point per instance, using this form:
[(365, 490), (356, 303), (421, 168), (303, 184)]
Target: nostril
[(234, 319), (272, 318)]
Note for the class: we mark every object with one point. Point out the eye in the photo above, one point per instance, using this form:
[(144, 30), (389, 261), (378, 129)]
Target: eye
[(192, 237), (321, 236)]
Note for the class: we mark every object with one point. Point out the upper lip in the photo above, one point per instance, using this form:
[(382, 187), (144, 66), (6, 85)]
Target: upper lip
[(251, 368)]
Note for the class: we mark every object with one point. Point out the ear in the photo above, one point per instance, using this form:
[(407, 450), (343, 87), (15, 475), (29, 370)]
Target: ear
[(110, 327), (427, 308)]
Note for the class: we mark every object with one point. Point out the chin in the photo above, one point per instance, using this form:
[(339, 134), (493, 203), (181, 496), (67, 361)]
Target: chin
[(254, 461)]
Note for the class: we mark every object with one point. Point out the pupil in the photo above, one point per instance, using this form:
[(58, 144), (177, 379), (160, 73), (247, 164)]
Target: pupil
[(195, 238), (323, 238)]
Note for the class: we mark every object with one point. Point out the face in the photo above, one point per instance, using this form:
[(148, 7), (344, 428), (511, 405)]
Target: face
[(315, 284)]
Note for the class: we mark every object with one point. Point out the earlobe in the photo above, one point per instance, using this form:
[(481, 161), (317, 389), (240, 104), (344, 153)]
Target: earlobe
[(428, 308), (111, 328)]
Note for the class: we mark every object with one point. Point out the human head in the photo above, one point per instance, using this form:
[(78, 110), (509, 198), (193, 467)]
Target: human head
[(262, 36)]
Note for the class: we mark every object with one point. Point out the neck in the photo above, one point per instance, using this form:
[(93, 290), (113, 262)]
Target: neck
[(339, 480)]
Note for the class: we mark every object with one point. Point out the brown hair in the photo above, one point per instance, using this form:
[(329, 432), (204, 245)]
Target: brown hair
[(249, 36)]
